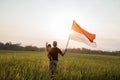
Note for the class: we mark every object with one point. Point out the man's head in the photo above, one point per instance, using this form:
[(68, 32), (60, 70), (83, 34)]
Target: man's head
[(54, 43)]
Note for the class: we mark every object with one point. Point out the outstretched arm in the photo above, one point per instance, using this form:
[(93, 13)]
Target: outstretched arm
[(64, 52)]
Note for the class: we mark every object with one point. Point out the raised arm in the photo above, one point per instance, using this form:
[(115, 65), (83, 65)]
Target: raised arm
[(46, 44)]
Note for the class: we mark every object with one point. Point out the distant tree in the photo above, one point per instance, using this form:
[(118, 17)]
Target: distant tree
[(1, 45), (17, 46)]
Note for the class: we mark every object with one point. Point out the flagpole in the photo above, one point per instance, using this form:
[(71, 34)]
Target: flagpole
[(67, 41), (69, 37)]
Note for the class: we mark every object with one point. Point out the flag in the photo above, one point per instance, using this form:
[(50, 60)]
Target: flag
[(82, 35)]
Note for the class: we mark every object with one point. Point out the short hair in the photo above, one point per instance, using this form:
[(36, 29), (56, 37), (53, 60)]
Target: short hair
[(54, 43)]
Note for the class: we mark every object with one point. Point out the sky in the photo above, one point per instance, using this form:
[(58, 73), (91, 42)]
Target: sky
[(35, 22)]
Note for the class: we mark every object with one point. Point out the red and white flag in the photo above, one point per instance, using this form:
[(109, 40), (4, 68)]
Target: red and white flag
[(82, 35)]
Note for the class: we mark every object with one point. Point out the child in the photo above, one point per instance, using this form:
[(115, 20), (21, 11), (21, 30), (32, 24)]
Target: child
[(48, 48)]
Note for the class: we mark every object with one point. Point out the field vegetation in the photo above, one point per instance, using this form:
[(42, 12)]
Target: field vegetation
[(33, 65)]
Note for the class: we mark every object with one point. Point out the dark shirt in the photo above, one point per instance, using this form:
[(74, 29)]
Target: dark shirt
[(54, 53)]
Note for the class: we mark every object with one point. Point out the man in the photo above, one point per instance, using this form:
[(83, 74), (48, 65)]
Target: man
[(54, 57)]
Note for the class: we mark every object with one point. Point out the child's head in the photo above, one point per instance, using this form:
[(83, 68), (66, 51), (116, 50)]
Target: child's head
[(49, 45)]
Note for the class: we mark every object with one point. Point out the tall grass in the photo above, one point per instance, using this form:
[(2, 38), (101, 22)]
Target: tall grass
[(24, 65)]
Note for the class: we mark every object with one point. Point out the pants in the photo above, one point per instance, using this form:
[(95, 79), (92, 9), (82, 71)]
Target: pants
[(53, 66)]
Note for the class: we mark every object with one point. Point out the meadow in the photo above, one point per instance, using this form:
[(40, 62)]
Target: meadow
[(31, 65)]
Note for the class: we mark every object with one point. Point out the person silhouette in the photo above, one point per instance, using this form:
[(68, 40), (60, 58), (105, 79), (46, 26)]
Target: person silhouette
[(54, 57)]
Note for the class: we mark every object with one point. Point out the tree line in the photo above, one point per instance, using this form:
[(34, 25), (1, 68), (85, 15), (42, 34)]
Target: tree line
[(88, 51), (17, 46)]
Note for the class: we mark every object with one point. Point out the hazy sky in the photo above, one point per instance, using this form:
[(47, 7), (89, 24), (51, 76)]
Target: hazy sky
[(33, 22)]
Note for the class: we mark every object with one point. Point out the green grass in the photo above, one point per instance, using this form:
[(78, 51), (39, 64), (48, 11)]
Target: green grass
[(29, 65)]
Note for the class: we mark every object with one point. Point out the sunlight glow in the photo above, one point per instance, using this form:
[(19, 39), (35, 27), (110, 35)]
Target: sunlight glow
[(61, 33)]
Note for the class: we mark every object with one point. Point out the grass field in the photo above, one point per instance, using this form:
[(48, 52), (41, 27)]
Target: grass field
[(25, 65)]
